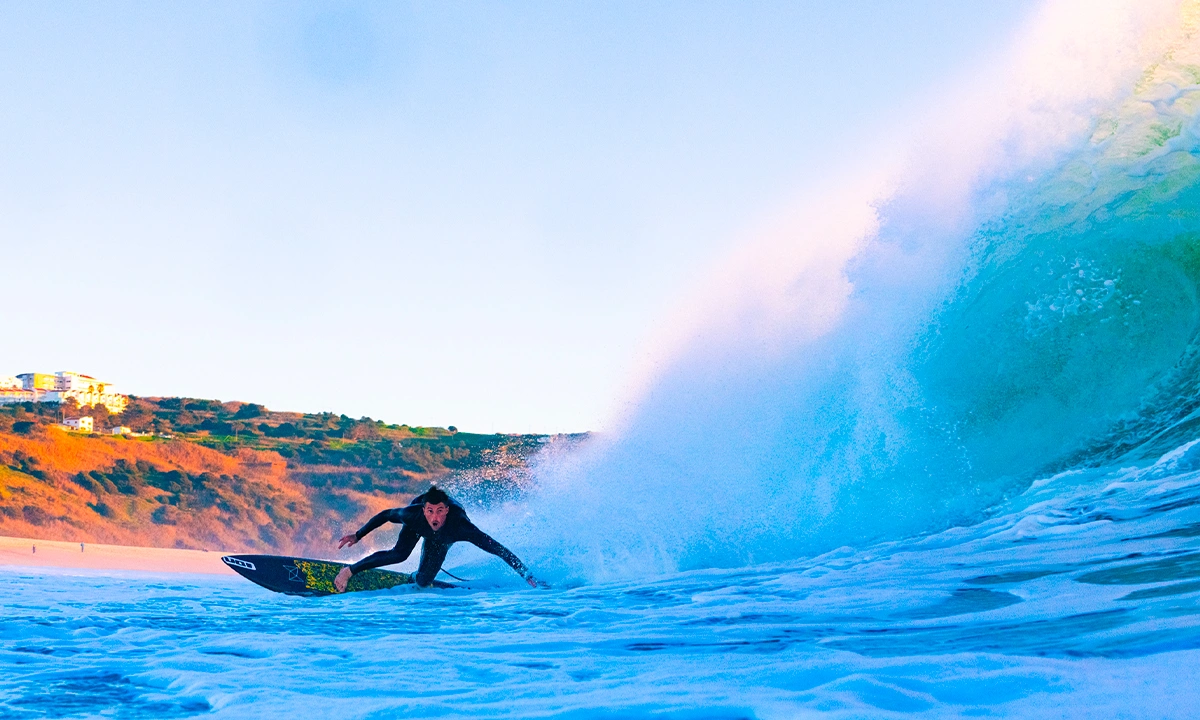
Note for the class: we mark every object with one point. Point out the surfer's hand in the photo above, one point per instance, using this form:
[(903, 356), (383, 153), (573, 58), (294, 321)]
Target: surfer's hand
[(532, 581), (343, 577), (348, 540)]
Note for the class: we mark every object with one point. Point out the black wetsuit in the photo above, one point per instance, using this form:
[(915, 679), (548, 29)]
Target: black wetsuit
[(457, 527)]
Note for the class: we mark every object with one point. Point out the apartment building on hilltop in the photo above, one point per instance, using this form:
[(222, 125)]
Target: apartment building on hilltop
[(61, 387)]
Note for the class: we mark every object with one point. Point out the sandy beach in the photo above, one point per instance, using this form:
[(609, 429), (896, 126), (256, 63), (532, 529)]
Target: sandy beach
[(54, 553)]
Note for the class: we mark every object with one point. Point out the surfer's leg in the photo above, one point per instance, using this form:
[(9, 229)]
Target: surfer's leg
[(404, 547), (378, 559), (432, 557)]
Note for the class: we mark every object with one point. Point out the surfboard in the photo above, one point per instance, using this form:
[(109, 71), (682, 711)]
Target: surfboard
[(311, 578)]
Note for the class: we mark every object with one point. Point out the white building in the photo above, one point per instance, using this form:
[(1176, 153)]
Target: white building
[(120, 430), (82, 383), (85, 390), (81, 424), (9, 396), (12, 390)]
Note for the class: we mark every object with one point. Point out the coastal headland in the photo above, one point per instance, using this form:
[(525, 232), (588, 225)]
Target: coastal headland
[(194, 474)]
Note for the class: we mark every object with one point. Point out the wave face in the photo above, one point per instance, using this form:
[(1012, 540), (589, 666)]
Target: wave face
[(1029, 309)]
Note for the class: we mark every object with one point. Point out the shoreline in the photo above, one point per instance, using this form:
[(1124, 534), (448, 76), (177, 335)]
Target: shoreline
[(96, 556)]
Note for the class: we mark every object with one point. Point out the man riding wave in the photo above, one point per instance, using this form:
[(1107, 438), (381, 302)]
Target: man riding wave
[(435, 516)]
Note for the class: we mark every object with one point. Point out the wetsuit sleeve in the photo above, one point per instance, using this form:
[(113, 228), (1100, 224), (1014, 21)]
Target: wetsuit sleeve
[(385, 516), (484, 542)]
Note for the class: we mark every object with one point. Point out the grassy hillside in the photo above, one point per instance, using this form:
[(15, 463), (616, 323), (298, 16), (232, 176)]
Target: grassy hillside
[(232, 476)]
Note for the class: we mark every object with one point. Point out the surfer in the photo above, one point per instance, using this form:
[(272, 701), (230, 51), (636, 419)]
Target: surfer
[(435, 516)]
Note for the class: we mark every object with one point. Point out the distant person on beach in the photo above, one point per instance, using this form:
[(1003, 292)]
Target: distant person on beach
[(435, 516)]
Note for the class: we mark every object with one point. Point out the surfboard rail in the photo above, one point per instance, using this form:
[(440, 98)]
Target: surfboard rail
[(307, 577)]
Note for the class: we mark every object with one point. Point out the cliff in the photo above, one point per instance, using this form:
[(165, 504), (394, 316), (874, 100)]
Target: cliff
[(232, 476)]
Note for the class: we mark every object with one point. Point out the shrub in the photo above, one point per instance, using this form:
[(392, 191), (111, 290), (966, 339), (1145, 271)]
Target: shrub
[(25, 427), (248, 411), (35, 515), (165, 515)]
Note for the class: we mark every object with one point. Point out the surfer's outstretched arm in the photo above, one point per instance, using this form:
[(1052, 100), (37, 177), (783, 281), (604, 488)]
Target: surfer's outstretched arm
[(392, 516), (486, 543)]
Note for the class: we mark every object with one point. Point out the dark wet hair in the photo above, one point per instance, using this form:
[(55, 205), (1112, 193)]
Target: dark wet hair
[(436, 496)]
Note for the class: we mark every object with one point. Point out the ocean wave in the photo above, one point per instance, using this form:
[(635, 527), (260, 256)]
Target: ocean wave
[(1020, 298)]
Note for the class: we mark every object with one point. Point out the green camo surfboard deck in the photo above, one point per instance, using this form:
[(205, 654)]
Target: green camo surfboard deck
[(301, 576)]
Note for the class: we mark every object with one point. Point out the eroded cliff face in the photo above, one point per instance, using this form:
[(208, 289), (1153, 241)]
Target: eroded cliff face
[(165, 493), (159, 492)]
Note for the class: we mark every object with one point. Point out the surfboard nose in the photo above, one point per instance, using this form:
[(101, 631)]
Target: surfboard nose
[(237, 562)]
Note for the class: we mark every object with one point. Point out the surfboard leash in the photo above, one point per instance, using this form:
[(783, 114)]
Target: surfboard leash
[(453, 575)]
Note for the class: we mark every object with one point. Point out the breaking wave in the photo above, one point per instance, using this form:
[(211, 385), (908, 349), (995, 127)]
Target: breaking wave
[(1022, 297)]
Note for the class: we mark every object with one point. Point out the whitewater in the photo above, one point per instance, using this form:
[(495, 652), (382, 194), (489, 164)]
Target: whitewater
[(1076, 599), (932, 447)]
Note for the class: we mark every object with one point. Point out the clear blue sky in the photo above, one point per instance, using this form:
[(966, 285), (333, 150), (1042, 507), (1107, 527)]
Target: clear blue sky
[(434, 213)]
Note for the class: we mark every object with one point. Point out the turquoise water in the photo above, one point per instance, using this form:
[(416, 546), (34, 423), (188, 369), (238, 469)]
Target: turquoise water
[(1079, 598)]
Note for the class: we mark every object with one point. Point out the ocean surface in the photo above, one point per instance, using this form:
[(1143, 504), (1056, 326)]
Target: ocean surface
[(1079, 598), (933, 456)]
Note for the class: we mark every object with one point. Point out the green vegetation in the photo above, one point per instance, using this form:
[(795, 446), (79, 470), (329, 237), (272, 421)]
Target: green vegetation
[(325, 440), (204, 473)]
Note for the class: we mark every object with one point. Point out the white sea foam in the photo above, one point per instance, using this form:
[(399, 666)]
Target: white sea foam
[(1074, 599)]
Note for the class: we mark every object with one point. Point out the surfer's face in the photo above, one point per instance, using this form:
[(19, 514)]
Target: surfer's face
[(436, 513)]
